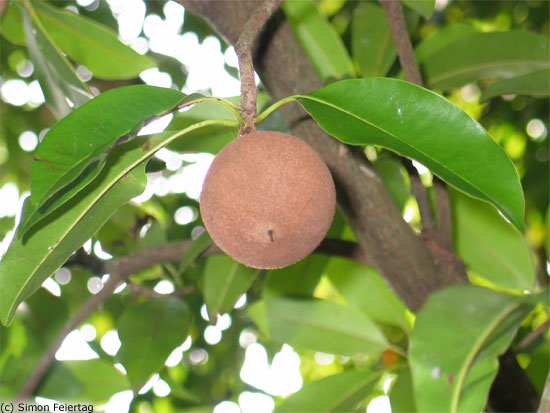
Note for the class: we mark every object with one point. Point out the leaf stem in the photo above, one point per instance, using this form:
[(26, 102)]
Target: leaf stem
[(224, 102), (274, 107)]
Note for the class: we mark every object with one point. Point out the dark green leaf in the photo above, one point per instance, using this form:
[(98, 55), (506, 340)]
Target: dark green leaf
[(310, 323), (423, 7), (57, 77), (372, 43), (33, 258), (319, 39), (422, 125), (89, 381), (489, 246), (148, 334), (364, 290), (337, 393), (456, 340), (224, 281), (535, 84), (486, 55), (92, 44), (74, 150)]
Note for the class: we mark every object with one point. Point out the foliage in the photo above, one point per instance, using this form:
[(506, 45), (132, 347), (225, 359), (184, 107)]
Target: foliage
[(486, 68)]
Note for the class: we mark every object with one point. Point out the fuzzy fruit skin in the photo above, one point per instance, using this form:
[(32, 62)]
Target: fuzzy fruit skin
[(268, 200)]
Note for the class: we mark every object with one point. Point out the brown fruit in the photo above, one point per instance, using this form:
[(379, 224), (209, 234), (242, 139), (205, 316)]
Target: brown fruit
[(268, 200)]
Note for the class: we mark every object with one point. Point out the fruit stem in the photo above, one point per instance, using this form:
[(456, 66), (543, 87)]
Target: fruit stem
[(243, 48)]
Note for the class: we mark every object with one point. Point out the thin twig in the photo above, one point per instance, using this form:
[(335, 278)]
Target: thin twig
[(120, 269), (398, 28), (243, 48), (529, 338)]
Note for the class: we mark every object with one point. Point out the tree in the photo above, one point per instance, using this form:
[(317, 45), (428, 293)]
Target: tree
[(440, 301)]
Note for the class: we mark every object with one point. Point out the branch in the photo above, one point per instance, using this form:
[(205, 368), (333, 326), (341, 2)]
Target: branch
[(120, 269), (243, 48), (398, 28)]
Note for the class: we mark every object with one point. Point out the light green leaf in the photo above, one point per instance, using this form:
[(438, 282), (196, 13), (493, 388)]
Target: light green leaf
[(422, 125), (395, 177), (489, 246), (148, 334), (196, 248), (456, 340), (535, 84), (319, 39), (224, 281), (310, 323), (56, 74), (363, 289), (401, 393), (74, 150), (336, 393), (442, 39), (372, 42), (486, 55), (11, 24), (423, 7), (211, 139), (94, 45), (89, 381)]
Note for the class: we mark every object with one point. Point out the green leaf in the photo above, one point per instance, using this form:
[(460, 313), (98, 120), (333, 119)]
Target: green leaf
[(33, 258), (486, 55), (57, 76), (196, 248), (211, 139), (94, 45), (310, 323), (148, 334), (364, 289), (535, 84), (422, 125), (224, 281), (336, 393), (74, 150), (489, 246), (319, 39), (89, 381), (423, 7), (442, 39), (11, 24), (401, 393), (372, 42), (456, 340), (395, 177)]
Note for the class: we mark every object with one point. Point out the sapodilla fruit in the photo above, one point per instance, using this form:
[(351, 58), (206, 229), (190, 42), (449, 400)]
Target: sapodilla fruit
[(268, 200)]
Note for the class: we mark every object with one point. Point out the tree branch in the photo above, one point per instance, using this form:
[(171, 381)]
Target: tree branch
[(398, 28), (243, 48)]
